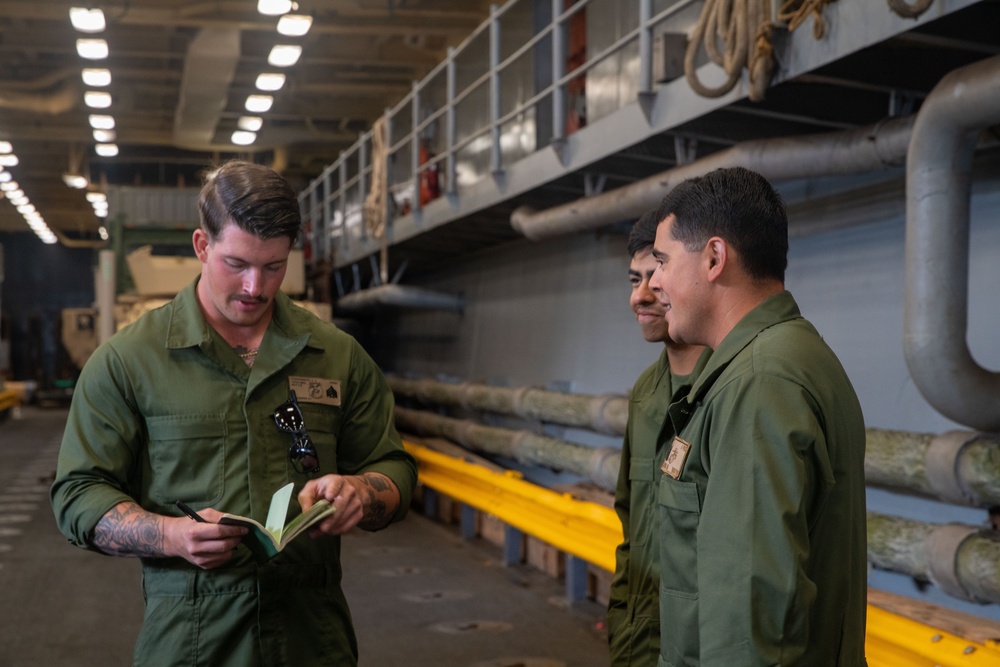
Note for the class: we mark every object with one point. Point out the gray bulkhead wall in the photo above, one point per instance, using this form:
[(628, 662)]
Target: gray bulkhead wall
[(557, 312)]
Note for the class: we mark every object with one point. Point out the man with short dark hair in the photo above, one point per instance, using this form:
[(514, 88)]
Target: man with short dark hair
[(633, 605), (218, 399), (761, 492)]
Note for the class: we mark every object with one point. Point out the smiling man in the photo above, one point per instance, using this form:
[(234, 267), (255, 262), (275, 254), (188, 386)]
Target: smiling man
[(196, 402), (761, 492), (633, 605)]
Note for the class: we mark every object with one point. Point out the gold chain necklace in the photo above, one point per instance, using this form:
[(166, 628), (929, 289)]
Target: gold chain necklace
[(249, 354)]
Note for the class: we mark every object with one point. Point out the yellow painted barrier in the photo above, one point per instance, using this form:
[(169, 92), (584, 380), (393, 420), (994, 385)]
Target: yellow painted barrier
[(586, 530), (591, 532), (9, 399)]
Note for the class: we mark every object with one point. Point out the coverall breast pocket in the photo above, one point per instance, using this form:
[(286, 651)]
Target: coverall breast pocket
[(680, 512), (187, 455), (322, 422)]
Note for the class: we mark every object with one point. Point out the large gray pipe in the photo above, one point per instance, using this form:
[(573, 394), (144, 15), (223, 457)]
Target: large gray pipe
[(398, 296), (938, 188), (788, 158)]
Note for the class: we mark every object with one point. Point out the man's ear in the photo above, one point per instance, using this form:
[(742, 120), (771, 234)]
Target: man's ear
[(717, 257), (200, 242)]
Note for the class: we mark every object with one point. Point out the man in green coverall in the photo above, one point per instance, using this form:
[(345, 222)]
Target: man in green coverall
[(761, 492), (194, 402), (633, 606)]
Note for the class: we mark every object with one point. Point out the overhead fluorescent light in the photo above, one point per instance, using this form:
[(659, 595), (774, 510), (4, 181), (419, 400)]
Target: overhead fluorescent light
[(105, 136), (294, 25), (106, 150), (103, 232), (270, 81), (9, 160), (284, 55), (5, 177), (20, 201), (103, 213), (92, 49), (94, 197), (14, 194), (96, 76), (75, 181), (259, 103), (9, 185), (274, 7), (26, 209), (102, 122), (244, 138), (48, 238), (100, 206), (250, 123), (5, 147), (97, 99), (87, 20)]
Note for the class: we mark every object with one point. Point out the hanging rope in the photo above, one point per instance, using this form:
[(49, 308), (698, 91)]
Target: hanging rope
[(374, 209), (724, 29), (908, 11), (794, 12)]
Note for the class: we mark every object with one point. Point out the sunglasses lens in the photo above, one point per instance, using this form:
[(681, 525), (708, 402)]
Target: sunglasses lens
[(288, 418), (304, 456)]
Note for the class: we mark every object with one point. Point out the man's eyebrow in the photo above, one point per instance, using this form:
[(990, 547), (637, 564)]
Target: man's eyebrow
[(658, 254)]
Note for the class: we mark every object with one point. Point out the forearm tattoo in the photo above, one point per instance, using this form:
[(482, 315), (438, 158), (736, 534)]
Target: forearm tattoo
[(128, 530), (379, 492)]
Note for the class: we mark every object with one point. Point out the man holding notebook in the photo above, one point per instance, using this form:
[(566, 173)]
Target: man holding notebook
[(218, 400)]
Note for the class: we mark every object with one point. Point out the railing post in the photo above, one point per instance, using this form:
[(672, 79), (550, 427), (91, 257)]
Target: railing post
[(558, 71), (451, 129), (327, 216), (388, 206), (362, 167), (415, 148), (496, 160), (342, 175)]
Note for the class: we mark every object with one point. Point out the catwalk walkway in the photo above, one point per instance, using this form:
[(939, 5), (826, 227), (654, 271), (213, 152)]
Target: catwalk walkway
[(420, 595)]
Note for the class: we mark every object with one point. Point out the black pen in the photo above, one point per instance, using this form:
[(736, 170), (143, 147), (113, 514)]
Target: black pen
[(190, 512)]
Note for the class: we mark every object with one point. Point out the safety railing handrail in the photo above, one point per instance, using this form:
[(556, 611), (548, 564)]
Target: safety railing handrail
[(329, 192)]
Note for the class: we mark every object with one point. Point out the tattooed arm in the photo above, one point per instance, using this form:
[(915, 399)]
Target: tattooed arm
[(128, 530), (368, 501)]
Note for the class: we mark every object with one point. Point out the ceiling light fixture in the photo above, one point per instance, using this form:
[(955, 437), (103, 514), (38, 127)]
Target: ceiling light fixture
[(275, 7), (105, 136), (244, 138), (259, 103), (5, 177), (96, 76), (106, 150), (26, 209), (250, 123), (284, 55), (87, 20), (75, 181), (102, 122), (294, 25), (95, 197), (270, 81), (8, 160), (96, 99), (20, 201), (5, 147), (92, 49), (14, 194), (9, 185)]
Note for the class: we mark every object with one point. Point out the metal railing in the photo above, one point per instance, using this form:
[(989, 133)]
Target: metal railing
[(333, 203)]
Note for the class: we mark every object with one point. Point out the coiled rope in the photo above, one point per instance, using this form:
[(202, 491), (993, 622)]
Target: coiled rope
[(730, 23)]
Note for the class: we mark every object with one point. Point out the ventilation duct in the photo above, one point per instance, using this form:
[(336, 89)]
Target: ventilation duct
[(398, 296), (209, 69)]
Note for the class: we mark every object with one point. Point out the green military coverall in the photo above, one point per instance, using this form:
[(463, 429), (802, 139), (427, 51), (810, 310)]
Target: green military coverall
[(633, 605), (763, 531), (165, 411)]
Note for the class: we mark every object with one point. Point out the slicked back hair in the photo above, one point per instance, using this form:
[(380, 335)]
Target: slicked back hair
[(643, 233), (741, 207), (254, 197)]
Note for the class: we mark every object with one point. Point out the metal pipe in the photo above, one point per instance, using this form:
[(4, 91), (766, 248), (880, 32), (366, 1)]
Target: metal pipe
[(600, 465), (605, 413), (938, 190), (961, 560), (398, 296), (787, 158)]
